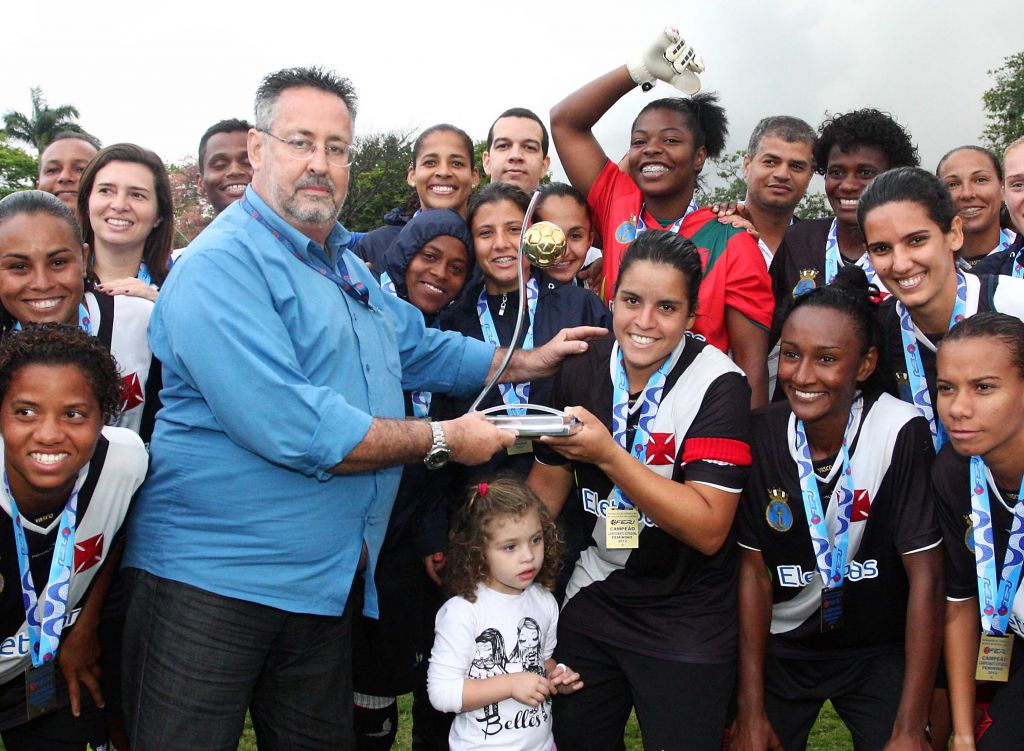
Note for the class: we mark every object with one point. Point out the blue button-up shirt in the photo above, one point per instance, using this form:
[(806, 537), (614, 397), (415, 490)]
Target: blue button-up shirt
[(271, 376)]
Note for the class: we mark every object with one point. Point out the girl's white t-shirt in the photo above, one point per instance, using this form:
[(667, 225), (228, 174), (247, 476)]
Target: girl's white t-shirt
[(497, 634)]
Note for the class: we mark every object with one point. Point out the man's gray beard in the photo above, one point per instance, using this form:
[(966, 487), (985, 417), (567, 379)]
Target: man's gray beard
[(314, 214)]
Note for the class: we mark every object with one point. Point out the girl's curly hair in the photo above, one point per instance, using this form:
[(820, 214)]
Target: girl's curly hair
[(60, 344), (506, 495), (865, 127)]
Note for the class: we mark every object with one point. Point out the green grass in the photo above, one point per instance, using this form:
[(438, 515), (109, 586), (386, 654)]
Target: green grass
[(829, 733)]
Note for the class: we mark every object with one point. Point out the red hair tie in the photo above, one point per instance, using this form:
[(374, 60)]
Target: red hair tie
[(481, 488)]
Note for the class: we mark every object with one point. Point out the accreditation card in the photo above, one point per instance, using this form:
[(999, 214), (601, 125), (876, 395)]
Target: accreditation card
[(994, 657), (622, 528)]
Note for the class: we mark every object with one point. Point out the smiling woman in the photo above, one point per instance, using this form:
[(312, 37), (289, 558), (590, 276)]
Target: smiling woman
[(127, 217), (68, 482), (43, 280), (835, 512), (974, 178), (913, 231)]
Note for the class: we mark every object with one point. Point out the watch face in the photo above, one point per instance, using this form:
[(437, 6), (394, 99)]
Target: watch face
[(437, 458)]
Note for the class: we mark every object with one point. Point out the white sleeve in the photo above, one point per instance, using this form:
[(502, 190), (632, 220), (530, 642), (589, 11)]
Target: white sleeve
[(451, 656), (551, 634)]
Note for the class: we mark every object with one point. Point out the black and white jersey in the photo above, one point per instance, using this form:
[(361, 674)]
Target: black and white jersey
[(892, 516), (951, 483), (1001, 294), (106, 486), (121, 322), (662, 599)]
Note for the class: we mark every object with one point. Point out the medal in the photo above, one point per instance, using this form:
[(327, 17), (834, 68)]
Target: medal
[(830, 555), (44, 617), (995, 598), (626, 526), (918, 384), (511, 393)]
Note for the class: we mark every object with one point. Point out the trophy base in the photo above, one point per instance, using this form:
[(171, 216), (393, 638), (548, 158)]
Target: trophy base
[(553, 422)]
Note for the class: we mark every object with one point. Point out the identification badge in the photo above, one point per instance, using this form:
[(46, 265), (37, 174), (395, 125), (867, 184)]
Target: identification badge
[(521, 446), (41, 690), (622, 528), (831, 610), (994, 658)]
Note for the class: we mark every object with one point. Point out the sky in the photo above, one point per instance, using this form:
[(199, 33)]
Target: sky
[(159, 74)]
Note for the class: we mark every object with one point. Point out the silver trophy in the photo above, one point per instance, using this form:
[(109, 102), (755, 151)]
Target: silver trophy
[(544, 244)]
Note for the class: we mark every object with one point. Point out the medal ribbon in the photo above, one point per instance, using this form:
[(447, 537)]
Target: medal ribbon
[(511, 393), (84, 322), (830, 556), (339, 275), (915, 367), (44, 629), (995, 600), (420, 399), (647, 405), (144, 275), (641, 226), (833, 260)]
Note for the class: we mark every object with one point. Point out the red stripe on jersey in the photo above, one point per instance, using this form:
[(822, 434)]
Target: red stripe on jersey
[(727, 450)]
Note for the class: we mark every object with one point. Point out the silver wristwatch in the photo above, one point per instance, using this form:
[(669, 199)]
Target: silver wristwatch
[(439, 452)]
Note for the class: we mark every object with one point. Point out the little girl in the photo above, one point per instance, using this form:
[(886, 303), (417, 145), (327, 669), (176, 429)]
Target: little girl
[(493, 641)]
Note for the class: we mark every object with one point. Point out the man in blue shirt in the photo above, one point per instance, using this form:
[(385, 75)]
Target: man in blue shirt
[(278, 450)]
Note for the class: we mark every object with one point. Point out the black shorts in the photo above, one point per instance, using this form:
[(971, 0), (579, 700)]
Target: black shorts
[(57, 731), (865, 692), (681, 706)]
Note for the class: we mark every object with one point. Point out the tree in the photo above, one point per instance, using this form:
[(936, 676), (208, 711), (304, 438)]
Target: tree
[(729, 170), (813, 206), (192, 212), (377, 181), (39, 128), (1004, 104), (18, 168)]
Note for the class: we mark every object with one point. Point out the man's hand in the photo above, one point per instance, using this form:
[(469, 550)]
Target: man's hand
[(130, 286), (78, 658), (670, 59), (751, 731), (528, 364), (474, 440)]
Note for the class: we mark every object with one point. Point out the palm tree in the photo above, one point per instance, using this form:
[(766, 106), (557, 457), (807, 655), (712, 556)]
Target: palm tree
[(44, 123)]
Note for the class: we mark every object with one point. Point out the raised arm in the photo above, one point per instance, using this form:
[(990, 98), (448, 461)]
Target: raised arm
[(666, 58), (572, 122)]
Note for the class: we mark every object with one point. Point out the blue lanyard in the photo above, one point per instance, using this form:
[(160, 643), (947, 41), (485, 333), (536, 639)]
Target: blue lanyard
[(647, 404), (831, 557), (641, 226), (995, 598), (339, 275), (420, 399), (144, 275), (915, 367), (511, 393), (84, 322), (44, 636), (833, 259)]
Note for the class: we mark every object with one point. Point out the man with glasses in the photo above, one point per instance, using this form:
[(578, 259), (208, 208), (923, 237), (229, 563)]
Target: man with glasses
[(278, 450)]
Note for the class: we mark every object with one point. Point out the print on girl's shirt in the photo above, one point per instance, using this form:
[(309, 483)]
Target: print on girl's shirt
[(490, 660)]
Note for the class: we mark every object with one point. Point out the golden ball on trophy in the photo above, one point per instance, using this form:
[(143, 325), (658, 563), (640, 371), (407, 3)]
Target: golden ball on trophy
[(544, 244)]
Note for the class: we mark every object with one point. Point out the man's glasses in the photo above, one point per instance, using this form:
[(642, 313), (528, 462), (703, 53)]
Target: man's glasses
[(338, 154)]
